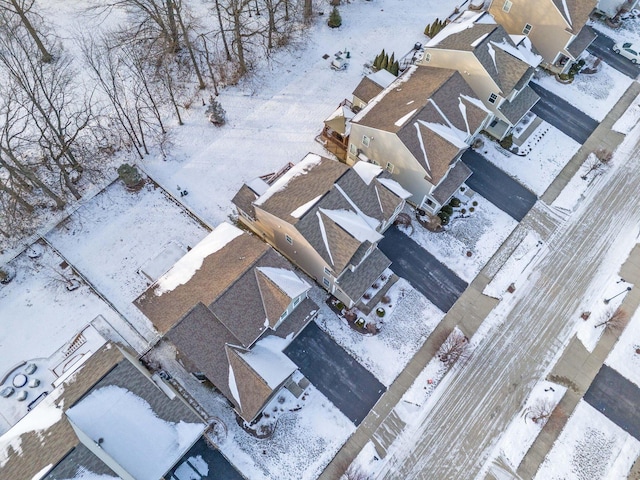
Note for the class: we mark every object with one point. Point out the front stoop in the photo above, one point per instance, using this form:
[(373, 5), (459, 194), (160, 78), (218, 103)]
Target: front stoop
[(367, 307)]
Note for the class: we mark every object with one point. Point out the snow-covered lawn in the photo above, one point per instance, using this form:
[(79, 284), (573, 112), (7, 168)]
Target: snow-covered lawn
[(590, 447), (523, 430), (547, 150), (403, 331), (118, 233), (629, 30), (625, 357), (480, 232), (594, 94)]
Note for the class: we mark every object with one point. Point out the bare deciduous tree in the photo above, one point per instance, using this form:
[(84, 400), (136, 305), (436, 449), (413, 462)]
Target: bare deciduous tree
[(23, 9), (454, 347), (539, 412), (613, 320)]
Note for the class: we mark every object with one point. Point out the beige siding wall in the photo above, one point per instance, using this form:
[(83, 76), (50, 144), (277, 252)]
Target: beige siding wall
[(387, 147), (471, 70), (274, 231), (548, 34)]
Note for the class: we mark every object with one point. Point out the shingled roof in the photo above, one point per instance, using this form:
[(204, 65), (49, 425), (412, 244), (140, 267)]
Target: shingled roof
[(433, 111), (576, 13)]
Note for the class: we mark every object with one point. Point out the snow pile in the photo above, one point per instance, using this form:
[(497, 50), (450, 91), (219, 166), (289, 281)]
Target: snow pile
[(305, 207), (367, 171), (267, 359), (142, 443), (188, 265), (301, 168), (395, 187), (354, 224)]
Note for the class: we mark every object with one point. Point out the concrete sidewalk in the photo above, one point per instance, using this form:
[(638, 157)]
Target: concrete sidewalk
[(473, 307)]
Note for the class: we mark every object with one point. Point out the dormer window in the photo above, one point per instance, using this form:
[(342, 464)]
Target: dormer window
[(507, 6), (492, 98), (527, 28)]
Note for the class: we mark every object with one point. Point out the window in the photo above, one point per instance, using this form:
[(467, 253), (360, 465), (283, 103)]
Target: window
[(327, 271), (366, 140), (352, 149), (507, 6), (326, 282), (492, 98), (527, 28), (288, 239), (296, 301), (427, 57), (284, 315), (389, 167)]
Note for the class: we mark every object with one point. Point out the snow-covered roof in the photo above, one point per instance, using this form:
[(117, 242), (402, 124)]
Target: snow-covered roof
[(268, 361), (522, 52), (131, 433), (395, 187), (258, 185), (382, 77), (466, 20), (367, 171), (188, 265), (305, 207), (301, 168), (286, 280), (354, 224)]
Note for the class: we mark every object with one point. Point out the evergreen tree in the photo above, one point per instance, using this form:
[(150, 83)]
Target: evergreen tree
[(391, 60), (395, 68), (335, 20), (376, 61), (385, 62), (215, 112)]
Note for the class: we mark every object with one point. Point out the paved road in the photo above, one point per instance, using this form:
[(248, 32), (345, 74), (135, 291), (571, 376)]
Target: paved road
[(562, 115), (498, 187), (601, 48), (422, 270), (346, 383), (454, 438), (616, 397)]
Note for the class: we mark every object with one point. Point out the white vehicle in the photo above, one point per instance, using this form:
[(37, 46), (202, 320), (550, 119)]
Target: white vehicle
[(628, 50)]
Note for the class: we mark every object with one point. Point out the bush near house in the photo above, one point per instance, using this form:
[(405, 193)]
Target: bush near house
[(448, 209), (455, 202), (433, 29), (507, 142)]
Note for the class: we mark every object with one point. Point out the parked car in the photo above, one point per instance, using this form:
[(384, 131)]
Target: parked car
[(628, 50)]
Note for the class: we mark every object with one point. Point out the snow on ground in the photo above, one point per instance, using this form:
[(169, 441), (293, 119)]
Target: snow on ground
[(603, 89), (547, 150), (629, 118), (523, 430), (590, 447), (512, 270), (480, 232), (625, 357), (590, 330), (309, 430), (628, 31), (580, 185), (409, 320), (275, 115), (119, 232), (39, 314)]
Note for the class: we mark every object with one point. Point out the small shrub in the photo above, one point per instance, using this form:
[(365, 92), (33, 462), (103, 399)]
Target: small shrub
[(380, 312), (7, 274), (372, 328), (463, 211), (474, 203), (340, 306), (385, 299), (471, 209), (366, 296), (375, 285), (335, 20), (455, 202), (444, 218), (507, 142), (448, 209), (130, 175)]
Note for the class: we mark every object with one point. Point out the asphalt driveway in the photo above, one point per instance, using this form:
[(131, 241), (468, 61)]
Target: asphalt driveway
[(203, 462), (617, 398), (562, 115), (422, 270), (602, 48), (346, 383), (498, 187)]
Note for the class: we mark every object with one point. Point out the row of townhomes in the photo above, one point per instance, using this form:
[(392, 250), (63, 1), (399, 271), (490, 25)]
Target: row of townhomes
[(231, 305)]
